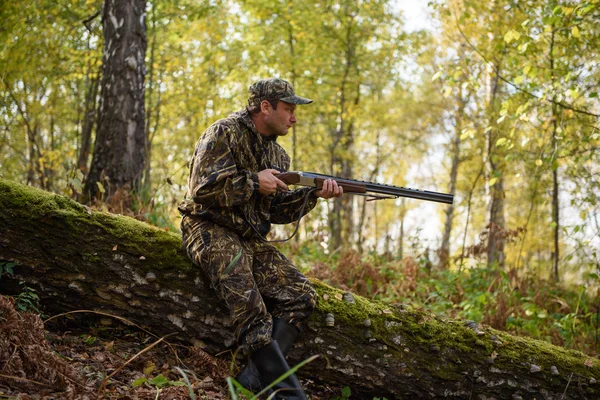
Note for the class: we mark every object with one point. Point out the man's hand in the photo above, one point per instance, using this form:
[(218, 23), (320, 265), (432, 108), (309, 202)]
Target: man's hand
[(269, 184), (330, 189)]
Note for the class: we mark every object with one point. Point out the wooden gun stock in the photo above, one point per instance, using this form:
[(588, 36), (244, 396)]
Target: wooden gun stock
[(295, 178)]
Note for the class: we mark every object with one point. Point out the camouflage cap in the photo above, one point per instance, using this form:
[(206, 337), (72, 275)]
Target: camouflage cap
[(273, 89)]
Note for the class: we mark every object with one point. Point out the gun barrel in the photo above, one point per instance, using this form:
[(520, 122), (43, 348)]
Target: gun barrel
[(356, 186), (411, 193)]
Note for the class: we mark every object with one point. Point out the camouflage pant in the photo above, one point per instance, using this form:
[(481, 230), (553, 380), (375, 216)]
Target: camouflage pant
[(248, 275)]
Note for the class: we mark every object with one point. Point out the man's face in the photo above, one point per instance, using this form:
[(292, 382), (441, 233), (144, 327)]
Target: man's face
[(280, 120)]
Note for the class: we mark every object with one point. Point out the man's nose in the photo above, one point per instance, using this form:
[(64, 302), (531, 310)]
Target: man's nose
[(293, 119)]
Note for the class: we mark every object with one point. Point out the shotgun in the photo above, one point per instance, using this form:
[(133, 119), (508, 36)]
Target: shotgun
[(374, 191)]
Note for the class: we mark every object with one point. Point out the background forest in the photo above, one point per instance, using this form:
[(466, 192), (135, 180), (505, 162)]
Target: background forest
[(496, 103)]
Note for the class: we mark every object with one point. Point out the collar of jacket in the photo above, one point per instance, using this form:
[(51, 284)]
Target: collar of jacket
[(244, 115)]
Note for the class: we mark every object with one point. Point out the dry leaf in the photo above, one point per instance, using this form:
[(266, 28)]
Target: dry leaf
[(338, 296), (142, 258), (494, 355), (116, 247), (325, 297), (589, 363), (386, 311), (149, 368)]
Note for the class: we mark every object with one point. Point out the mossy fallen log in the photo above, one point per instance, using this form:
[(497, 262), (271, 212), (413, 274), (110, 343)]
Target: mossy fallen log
[(82, 259)]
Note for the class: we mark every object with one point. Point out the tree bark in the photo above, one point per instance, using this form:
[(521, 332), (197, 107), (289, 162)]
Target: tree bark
[(82, 259), (555, 150), (495, 159), (88, 122), (459, 117), (120, 147)]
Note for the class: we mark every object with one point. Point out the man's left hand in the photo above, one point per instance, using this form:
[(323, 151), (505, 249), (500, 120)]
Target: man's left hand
[(330, 189)]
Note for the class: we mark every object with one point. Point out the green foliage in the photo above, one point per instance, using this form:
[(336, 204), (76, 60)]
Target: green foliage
[(346, 392), (6, 267), (88, 339), (27, 300), (187, 382), (159, 381), (517, 302)]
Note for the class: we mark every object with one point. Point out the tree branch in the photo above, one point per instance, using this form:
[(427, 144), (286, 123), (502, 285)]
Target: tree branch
[(558, 103)]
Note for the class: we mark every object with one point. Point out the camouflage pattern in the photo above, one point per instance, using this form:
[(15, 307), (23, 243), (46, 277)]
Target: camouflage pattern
[(222, 213), (223, 184), (247, 275), (273, 89)]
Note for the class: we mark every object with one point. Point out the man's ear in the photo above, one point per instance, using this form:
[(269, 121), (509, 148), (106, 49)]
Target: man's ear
[(265, 107)]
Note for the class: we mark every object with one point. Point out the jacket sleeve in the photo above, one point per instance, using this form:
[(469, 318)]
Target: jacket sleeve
[(214, 178), (288, 207)]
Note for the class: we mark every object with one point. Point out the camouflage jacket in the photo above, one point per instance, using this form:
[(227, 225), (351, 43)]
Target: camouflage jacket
[(223, 184)]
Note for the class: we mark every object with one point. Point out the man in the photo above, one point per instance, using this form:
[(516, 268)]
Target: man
[(233, 197)]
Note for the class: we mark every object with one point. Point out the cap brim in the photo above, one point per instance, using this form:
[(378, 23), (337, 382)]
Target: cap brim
[(296, 100)]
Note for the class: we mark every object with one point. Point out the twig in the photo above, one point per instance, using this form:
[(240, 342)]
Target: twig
[(520, 89), (125, 321), (565, 392), (105, 380), (25, 380), (90, 19)]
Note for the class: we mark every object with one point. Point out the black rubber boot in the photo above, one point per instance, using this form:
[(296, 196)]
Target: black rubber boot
[(248, 377), (270, 364), (285, 334)]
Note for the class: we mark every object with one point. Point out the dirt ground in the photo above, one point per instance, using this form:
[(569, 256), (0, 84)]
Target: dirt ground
[(86, 357)]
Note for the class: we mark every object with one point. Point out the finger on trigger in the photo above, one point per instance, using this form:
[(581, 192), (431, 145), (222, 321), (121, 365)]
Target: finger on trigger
[(282, 185)]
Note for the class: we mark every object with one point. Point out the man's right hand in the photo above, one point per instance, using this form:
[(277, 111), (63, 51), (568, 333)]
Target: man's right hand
[(269, 184)]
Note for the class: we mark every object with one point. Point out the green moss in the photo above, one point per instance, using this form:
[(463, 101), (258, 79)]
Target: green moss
[(450, 339), (519, 350), (13, 197), (415, 327), (389, 324), (26, 203)]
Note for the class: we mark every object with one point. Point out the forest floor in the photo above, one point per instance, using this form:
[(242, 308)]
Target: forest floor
[(72, 360)]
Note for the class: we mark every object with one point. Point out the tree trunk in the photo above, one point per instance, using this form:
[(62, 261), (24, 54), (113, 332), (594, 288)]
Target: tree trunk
[(87, 127), (81, 259), (444, 251), (496, 239), (459, 117), (495, 159), (119, 151), (555, 152)]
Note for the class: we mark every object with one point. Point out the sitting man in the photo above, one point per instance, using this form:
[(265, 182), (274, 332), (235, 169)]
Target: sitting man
[(233, 197)]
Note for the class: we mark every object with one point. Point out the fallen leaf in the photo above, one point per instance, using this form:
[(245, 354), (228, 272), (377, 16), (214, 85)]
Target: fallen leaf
[(338, 296), (325, 296), (589, 363), (142, 258), (116, 247), (149, 368), (494, 355)]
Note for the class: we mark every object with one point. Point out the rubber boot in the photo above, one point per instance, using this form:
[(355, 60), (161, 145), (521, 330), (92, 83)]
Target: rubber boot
[(271, 364), (248, 377), (285, 334)]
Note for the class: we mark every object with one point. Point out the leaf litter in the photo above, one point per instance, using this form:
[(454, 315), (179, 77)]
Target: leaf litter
[(72, 361)]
